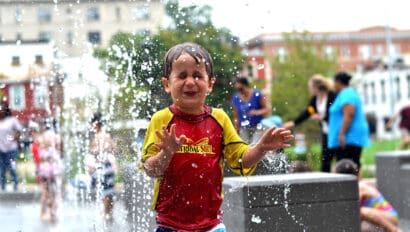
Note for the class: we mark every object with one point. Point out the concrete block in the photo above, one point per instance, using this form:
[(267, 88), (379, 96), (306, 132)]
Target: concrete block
[(392, 174), (292, 202)]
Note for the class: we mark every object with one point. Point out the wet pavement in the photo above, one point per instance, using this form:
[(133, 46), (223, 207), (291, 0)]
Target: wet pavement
[(72, 215), (20, 212)]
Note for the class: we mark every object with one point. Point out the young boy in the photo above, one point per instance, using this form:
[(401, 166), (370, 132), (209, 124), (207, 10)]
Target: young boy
[(186, 144), (375, 211)]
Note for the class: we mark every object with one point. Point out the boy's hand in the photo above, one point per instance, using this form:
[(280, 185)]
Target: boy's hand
[(169, 142), (275, 138)]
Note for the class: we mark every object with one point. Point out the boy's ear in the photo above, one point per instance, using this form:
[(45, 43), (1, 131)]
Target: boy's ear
[(212, 81), (165, 83)]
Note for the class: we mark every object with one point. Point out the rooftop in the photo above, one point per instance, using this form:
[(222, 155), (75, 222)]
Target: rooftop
[(368, 33)]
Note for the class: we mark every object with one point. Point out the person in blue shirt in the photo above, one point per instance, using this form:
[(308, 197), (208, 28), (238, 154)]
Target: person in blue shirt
[(348, 128), (249, 108)]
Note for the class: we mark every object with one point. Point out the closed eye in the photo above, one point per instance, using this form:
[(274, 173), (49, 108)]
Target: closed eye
[(182, 75), (197, 75)]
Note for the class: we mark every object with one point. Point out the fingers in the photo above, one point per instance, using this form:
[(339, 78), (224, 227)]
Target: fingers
[(169, 135), (172, 131), (181, 139)]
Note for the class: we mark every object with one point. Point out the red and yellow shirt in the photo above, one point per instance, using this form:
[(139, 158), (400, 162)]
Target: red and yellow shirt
[(189, 195)]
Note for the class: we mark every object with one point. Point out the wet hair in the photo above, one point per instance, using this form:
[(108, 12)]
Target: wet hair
[(299, 166), (242, 80), (194, 50), (98, 119), (343, 77), (347, 166), (321, 83)]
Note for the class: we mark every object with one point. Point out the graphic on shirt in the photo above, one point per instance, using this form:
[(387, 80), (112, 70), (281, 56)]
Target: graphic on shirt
[(201, 146)]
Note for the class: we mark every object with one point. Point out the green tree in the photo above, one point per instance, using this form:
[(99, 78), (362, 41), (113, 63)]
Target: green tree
[(304, 57), (135, 61)]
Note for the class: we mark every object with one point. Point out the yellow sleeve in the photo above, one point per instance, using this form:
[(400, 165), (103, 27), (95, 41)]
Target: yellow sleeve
[(159, 119), (234, 146)]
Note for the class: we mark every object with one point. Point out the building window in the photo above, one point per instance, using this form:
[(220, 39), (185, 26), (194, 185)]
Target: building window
[(141, 13), (44, 36), (15, 60), (39, 59), (373, 92), (345, 52), (249, 70), (94, 37), (70, 38), (383, 91), (19, 37), (365, 52), (379, 50), (41, 95), (408, 86), (398, 93), (44, 15), (394, 50), (17, 97), (118, 13), (366, 96), (281, 54), (93, 14), (329, 52), (18, 15)]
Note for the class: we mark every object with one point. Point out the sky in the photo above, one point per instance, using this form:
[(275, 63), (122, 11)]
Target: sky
[(249, 18)]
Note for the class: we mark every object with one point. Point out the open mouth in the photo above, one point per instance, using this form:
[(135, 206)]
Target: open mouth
[(190, 93)]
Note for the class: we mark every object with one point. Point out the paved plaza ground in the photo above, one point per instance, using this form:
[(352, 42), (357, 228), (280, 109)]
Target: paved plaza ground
[(19, 212), (72, 216)]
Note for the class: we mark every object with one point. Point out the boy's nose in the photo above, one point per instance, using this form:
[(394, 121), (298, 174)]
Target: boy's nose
[(190, 80)]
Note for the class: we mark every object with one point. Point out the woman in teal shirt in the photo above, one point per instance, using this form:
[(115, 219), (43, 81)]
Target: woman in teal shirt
[(348, 128)]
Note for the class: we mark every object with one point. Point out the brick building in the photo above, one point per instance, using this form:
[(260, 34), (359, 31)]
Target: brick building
[(362, 49), (73, 25), (30, 80)]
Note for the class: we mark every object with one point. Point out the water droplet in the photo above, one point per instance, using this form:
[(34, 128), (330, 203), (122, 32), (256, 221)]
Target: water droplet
[(256, 219), (194, 165), (245, 123)]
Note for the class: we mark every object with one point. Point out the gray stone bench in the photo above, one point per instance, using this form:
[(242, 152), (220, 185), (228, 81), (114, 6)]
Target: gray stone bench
[(291, 202), (393, 179)]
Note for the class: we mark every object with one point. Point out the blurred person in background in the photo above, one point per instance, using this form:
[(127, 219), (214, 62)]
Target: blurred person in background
[(376, 213), (404, 125), (50, 168), (10, 130), (348, 128), (250, 106), (318, 109), (102, 165)]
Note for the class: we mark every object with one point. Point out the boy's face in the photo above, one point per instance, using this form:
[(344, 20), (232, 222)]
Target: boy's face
[(188, 84)]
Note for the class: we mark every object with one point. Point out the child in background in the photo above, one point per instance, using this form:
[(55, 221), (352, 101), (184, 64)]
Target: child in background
[(102, 165), (186, 144), (375, 211), (48, 171)]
